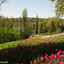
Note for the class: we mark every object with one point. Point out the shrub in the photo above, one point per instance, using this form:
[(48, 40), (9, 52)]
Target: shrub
[(7, 35), (25, 34), (1, 35), (55, 32), (14, 34)]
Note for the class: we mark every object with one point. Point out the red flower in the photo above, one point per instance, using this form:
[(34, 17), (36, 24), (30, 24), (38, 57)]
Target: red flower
[(18, 43)]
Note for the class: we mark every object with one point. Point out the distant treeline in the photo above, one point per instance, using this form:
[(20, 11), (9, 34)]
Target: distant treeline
[(11, 29)]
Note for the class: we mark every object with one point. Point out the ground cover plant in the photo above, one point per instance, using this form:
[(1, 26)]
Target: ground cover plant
[(31, 49)]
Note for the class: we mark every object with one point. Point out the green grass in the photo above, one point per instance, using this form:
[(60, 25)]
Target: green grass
[(5, 45)]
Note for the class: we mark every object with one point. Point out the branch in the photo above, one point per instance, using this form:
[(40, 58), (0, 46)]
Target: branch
[(2, 1)]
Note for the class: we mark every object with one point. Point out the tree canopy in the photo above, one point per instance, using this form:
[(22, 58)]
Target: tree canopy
[(59, 7)]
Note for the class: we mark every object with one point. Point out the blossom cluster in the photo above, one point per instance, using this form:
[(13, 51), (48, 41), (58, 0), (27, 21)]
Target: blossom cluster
[(50, 59), (37, 40)]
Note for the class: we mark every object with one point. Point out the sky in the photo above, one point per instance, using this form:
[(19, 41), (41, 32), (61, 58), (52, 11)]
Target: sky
[(42, 8)]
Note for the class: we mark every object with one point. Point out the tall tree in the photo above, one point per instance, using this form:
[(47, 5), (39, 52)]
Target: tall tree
[(36, 24), (41, 27), (52, 27), (44, 25), (24, 18), (59, 7)]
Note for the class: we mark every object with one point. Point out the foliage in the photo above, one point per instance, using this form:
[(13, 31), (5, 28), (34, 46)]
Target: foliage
[(57, 24), (7, 35), (55, 32), (44, 26), (59, 8), (51, 27), (25, 34), (24, 18)]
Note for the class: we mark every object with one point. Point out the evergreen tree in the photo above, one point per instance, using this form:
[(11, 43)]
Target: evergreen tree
[(52, 27), (44, 26), (36, 24), (41, 27)]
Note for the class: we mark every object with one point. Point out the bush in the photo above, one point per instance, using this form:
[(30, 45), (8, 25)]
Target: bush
[(7, 35), (55, 32), (1, 35), (25, 34), (14, 34)]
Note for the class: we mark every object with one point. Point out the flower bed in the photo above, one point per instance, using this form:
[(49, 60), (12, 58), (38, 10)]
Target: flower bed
[(31, 49), (50, 59)]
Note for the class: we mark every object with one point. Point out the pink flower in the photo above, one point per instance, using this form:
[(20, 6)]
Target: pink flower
[(42, 58), (60, 56), (55, 57), (38, 60), (50, 61), (57, 62), (51, 58), (60, 59), (61, 62), (60, 51), (50, 40), (31, 62), (52, 55), (47, 59), (53, 40), (46, 55), (56, 50), (35, 61), (63, 52)]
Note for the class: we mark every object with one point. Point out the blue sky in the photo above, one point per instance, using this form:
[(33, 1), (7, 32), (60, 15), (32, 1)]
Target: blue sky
[(42, 8)]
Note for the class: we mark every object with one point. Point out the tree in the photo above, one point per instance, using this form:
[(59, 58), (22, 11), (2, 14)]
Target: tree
[(36, 24), (41, 27), (24, 31), (24, 19), (59, 7), (2, 1), (59, 26), (44, 26), (52, 27)]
